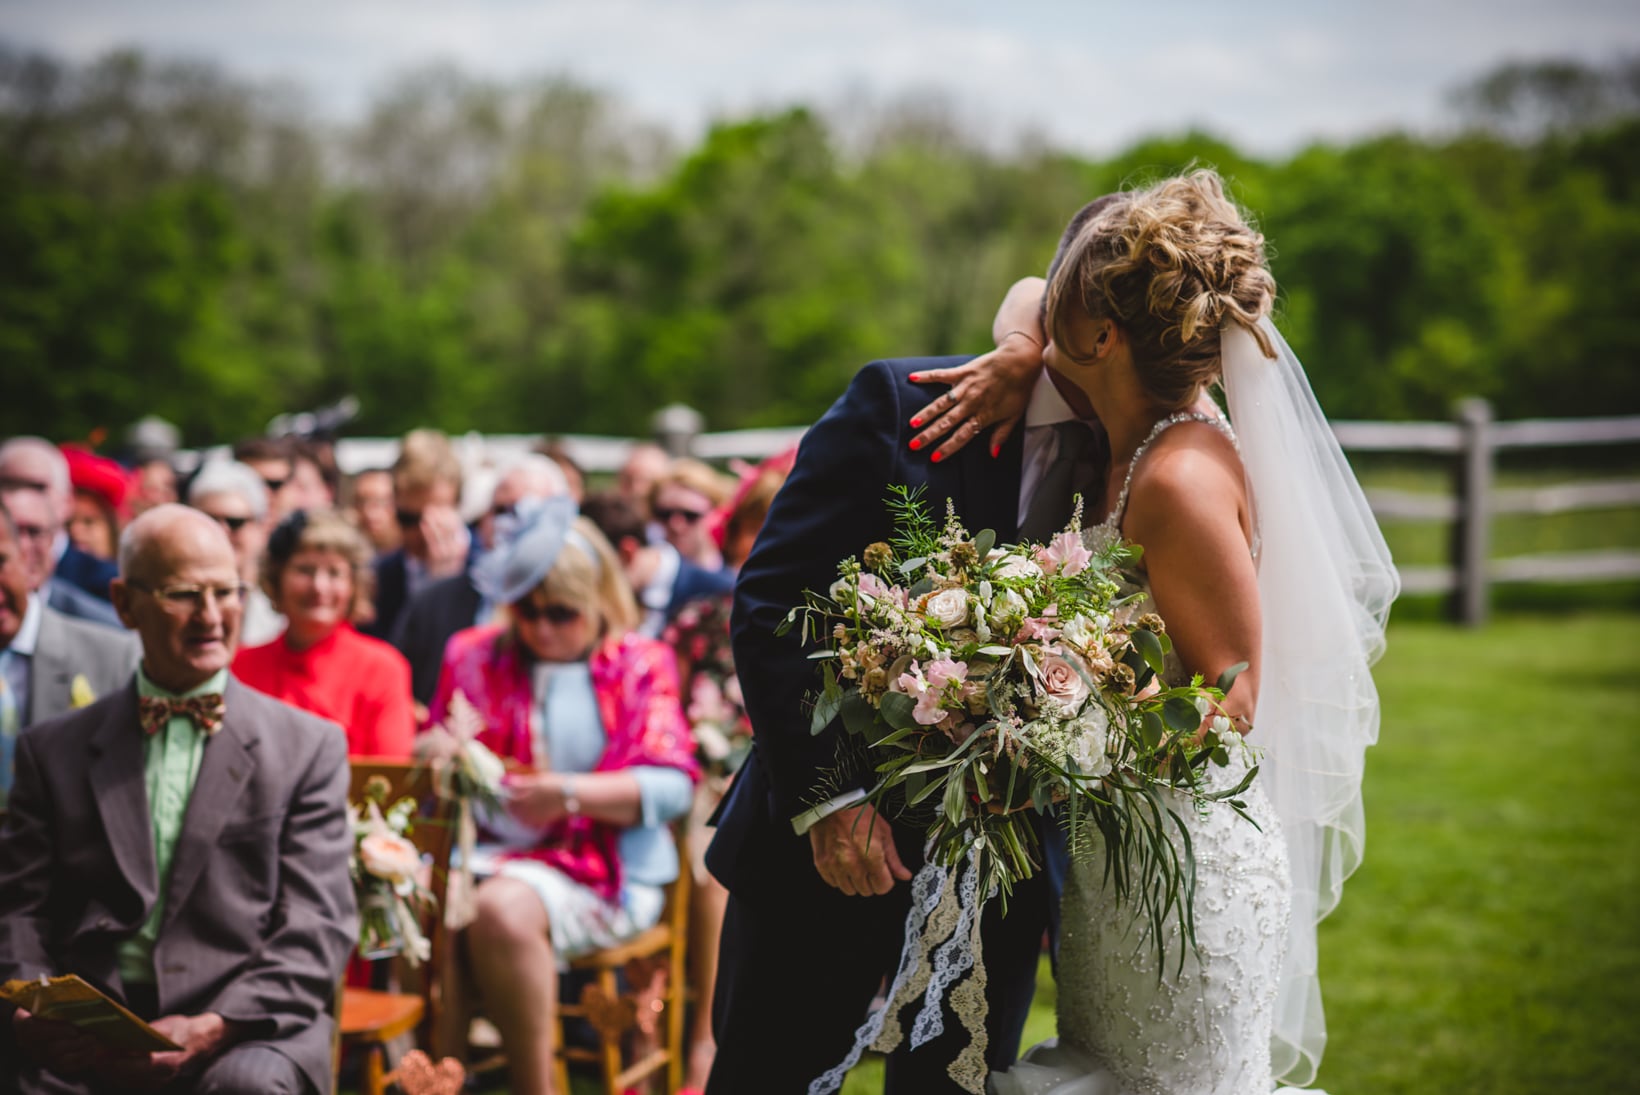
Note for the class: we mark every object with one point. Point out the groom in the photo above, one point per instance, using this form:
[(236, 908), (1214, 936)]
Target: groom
[(817, 880)]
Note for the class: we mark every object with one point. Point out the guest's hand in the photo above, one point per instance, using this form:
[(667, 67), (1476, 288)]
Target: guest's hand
[(536, 798), (60, 1048), (447, 541), (993, 388), (200, 1036), (854, 851)]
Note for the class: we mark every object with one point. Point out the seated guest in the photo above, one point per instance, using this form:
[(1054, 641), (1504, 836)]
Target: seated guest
[(33, 463), (645, 463), (663, 580), (681, 501), (574, 474), (316, 571), (370, 507), (735, 524), (273, 460), (35, 519), (100, 486), (426, 491), (454, 604), (49, 663), (155, 484), (591, 709), (182, 844), (236, 497)]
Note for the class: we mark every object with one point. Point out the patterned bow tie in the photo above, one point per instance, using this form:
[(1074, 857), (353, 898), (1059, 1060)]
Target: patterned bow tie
[(206, 711)]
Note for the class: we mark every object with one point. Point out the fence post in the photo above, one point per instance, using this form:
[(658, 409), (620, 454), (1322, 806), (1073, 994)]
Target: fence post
[(676, 426), (1471, 539)]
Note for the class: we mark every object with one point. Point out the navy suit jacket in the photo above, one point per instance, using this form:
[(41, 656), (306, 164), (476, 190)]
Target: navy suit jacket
[(447, 606), (82, 569), (694, 582), (392, 591), (831, 507)]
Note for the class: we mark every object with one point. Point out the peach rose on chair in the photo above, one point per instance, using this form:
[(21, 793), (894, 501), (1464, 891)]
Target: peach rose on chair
[(390, 857)]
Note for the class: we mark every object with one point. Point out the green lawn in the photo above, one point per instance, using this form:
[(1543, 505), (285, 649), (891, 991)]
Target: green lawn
[(1491, 941)]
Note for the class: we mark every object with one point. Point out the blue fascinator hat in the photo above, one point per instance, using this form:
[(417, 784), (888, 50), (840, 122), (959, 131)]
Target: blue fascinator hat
[(527, 543)]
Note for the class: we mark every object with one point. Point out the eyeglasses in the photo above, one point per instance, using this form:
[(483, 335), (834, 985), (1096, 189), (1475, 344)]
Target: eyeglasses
[(560, 615), (187, 600), (32, 532), (407, 518), (664, 514), (275, 485), (232, 524)]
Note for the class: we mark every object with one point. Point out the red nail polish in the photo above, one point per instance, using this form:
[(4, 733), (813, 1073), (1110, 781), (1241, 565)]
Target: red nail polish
[(915, 442), (914, 377), (937, 457), (916, 423), (994, 450)]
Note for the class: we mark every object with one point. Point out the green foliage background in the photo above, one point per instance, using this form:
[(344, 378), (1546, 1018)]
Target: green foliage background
[(524, 257)]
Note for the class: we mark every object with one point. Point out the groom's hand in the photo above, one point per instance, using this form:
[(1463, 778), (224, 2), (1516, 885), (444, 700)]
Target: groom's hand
[(854, 851)]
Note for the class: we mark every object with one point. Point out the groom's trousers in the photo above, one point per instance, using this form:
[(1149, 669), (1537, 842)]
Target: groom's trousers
[(800, 963)]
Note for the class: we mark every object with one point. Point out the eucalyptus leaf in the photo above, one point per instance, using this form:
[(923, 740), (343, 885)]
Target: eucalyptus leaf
[(1151, 729), (1228, 677), (822, 655), (985, 541), (910, 566), (1180, 714), (1150, 649), (859, 717), (922, 588), (826, 708), (896, 709)]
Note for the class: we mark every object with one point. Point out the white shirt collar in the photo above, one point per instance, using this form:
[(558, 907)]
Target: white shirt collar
[(1047, 407), (28, 636)]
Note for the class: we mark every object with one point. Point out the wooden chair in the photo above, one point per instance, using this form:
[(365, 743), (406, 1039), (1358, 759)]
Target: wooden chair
[(656, 1007), (371, 1019)]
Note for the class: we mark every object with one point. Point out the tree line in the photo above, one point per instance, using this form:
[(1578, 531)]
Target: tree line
[(525, 257)]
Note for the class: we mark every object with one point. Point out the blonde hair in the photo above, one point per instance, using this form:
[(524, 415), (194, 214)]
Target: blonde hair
[(588, 574), (691, 474), (1168, 265), (321, 530), (426, 457)]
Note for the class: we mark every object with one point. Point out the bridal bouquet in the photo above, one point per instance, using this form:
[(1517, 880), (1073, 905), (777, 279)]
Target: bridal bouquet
[(386, 871), (984, 681)]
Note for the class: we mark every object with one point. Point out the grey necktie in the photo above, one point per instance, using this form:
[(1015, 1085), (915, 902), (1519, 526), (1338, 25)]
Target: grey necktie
[(1075, 469)]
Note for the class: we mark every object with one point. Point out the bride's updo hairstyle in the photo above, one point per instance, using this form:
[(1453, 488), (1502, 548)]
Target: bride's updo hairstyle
[(1168, 265)]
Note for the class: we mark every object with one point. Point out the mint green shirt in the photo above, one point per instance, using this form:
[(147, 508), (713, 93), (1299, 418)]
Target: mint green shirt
[(170, 766)]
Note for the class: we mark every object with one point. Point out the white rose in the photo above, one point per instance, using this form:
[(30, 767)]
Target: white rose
[(947, 609), (1090, 741), (1017, 566)]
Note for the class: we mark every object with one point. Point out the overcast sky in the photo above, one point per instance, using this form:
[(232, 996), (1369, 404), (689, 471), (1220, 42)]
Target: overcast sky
[(1089, 74)]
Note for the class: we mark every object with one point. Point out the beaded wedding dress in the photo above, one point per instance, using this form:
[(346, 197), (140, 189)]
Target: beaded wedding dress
[(1135, 1022), (1244, 1010)]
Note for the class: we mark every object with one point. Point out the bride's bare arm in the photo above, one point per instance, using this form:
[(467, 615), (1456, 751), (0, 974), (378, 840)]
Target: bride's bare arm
[(992, 389), (1185, 510)]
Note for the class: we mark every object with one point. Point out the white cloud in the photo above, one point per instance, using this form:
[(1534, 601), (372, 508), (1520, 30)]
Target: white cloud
[(1268, 75)]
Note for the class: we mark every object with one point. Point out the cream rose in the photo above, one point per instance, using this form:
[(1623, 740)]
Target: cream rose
[(389, 856), (947, 609), (1017, 566)]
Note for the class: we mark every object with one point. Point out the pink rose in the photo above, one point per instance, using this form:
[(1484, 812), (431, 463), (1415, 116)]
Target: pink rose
[(1064, 686), (1065, 554)]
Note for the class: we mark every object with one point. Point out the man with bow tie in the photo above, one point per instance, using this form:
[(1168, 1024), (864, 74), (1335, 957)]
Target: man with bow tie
[(183, 845)]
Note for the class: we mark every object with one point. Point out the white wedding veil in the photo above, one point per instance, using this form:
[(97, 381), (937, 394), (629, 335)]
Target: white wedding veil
[(1325, 586)]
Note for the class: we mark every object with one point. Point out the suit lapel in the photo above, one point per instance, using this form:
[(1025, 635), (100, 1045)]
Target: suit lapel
[(119, 787), (230, 758)]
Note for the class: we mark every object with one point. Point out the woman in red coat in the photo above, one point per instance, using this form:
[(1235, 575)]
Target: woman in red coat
[(316, 571)]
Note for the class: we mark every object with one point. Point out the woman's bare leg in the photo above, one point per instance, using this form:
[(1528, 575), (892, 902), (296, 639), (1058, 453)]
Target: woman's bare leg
[(512, 960), (706, 927)]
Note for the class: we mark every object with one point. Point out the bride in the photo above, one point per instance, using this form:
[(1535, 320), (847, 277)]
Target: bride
[(1258, 547)]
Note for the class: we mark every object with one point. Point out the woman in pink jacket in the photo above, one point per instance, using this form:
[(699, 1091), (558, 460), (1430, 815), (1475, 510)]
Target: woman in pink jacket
[(589, 713)]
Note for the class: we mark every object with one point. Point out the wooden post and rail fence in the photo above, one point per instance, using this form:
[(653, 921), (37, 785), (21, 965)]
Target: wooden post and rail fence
[(1472, 442)]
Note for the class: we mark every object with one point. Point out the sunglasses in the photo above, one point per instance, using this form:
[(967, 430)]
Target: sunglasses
[(232, 524), (560, 615), (275, 485), (664, 514), (503, 511), (407, 518)]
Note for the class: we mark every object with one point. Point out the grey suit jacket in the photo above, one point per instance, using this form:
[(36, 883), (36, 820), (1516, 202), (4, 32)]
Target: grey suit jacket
[(69, 648), (259, 914), (71, 600)]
